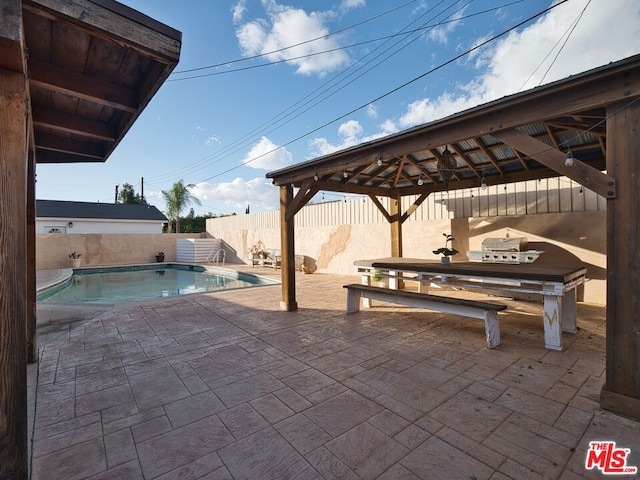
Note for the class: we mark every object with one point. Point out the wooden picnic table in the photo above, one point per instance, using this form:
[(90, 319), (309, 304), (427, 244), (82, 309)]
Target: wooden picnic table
[(555, 283)]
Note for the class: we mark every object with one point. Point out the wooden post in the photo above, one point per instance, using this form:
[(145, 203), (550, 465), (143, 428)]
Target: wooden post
[(30, 292), (13, 207), (287, 245), (621, 392), (395, 211)]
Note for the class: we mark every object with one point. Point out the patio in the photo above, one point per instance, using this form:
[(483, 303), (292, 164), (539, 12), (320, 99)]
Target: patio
[(227, 385)]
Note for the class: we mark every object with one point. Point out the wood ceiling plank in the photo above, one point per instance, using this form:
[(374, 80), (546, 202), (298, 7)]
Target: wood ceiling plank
[(52, 77), (64, 122)]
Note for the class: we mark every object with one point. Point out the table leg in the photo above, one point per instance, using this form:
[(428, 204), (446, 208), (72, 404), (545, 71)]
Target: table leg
[(552, 317), (423, 283), (570, 312), (365, 280)]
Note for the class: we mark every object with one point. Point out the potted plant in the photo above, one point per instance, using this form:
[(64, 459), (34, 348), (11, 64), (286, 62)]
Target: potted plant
[(445, 251), (378, 278), (160, 256), (75, 259)]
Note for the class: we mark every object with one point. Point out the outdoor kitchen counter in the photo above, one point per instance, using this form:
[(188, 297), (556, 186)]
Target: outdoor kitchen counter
[(555, 283)]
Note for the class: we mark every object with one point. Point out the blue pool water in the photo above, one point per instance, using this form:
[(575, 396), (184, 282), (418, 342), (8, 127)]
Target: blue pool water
[(126, 284)]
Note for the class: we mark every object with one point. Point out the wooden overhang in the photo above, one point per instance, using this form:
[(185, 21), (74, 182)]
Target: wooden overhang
[(92, 67), (525, 136), (74, 76)]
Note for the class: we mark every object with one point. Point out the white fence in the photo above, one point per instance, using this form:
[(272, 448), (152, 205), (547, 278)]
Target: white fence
[(554, 195)]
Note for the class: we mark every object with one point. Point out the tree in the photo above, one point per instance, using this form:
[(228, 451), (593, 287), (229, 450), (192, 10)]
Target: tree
[(177, 199), (129, 196)]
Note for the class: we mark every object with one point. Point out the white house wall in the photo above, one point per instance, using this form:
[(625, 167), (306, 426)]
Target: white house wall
[(45, 225)]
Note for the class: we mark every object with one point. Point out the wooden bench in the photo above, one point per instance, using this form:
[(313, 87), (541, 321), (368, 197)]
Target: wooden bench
[(272, 258), (458, 306)]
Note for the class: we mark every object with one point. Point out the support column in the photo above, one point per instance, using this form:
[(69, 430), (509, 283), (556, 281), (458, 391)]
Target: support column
[(30, 292), (287, 234), (13, 283), (395, 211), (621, 392)]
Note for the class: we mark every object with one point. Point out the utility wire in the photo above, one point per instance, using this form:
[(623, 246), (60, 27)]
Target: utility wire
[(390, 92), (278, 121), (309, 55), (229, 62)]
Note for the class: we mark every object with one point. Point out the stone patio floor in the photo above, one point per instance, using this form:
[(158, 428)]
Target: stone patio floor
[(227, 386)]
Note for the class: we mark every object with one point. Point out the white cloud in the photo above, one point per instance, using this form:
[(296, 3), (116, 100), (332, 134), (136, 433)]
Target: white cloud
[(350, 134), (285, 26), (372, 111), (267, 155), (239, 193), (351, 4), (441, 34), (518, 61), (238, 11)]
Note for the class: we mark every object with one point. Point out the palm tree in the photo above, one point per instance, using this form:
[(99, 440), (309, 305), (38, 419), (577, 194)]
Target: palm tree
[(177, 199)]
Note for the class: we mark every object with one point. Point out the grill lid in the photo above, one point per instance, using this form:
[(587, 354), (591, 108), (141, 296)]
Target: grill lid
[(508, 244)]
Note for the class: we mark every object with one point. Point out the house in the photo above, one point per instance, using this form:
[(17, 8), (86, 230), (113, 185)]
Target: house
[(57, 216)]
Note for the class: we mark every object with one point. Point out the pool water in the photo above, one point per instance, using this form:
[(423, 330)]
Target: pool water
[(127, 284)]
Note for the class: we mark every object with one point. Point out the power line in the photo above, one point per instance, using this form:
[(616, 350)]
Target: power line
[(279, 121), (394, 90), (322, 37)]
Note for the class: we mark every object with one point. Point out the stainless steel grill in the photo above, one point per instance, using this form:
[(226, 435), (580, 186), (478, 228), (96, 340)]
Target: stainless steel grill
[(504, 250)]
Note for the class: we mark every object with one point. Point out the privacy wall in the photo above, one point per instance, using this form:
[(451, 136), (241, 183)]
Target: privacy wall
[(565, 220)]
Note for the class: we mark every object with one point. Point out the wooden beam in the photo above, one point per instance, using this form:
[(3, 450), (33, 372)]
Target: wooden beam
[(621, 391), (93, 150), (414, 207), (68, 123), (287, 244), (357, 189), (601, 183), (13, 284), (305, 193), (114, 22), (380, 207), (92, 89)]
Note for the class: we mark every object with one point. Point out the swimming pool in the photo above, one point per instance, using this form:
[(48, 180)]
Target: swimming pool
[(144, 282)]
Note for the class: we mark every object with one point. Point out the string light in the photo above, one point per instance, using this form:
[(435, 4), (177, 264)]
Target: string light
[(483, 182), (420, 180), (568, 162)]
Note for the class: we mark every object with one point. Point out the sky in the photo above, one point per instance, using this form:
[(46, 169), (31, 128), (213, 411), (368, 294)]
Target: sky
[(264, 84)]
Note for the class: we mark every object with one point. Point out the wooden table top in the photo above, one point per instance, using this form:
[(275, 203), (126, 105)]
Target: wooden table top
[(521, 271)]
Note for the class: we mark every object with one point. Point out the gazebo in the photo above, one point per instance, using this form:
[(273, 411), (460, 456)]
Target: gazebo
[(74, 77), (584, 127)]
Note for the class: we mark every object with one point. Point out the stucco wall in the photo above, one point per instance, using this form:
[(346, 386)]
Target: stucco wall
[(566, 237), (52, 250)]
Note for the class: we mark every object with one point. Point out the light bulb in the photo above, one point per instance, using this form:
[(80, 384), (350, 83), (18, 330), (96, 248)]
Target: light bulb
[(345, 174), (483, 182), (568, 162), (420, 181)]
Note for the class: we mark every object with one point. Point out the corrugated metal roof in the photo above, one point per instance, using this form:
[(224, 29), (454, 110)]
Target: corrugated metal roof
[(115, 211)]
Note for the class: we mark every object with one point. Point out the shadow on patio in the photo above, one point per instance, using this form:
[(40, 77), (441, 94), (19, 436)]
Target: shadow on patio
[(225, 385)]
